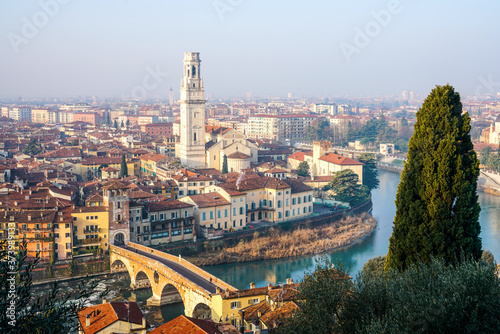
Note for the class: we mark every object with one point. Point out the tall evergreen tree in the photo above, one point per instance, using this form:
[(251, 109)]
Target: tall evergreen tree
[(370, 171), (115, 124), (123, 167), (436, 204), (224, 165)]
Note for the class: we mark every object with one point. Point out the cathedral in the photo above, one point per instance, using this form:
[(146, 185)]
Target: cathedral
[(202, 145)]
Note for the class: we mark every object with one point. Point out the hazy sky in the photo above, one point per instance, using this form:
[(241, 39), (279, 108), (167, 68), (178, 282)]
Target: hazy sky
[(272, 47)]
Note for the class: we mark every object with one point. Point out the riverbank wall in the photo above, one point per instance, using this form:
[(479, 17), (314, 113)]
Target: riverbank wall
[(488, 181), (73, 268)]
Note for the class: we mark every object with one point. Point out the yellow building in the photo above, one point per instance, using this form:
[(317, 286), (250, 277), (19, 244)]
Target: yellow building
[(149, 163), (236, 306), (90, 229), (39, 115)]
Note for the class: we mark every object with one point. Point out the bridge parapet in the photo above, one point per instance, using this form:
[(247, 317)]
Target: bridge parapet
[(195, 269)]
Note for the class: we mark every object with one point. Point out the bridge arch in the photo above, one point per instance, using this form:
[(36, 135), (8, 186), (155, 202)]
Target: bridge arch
[(202, 311), (172, 279), (170, 294)]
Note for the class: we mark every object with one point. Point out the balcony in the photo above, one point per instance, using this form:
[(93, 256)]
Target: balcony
[(94, 230), (86, 241)]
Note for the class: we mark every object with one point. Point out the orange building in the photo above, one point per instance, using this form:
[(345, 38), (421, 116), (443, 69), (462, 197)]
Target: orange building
[(87, 117)]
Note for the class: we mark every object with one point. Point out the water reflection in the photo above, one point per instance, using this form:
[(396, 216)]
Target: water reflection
[(355, 256)]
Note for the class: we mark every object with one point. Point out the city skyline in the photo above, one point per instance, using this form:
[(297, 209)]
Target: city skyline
[(66, 49)]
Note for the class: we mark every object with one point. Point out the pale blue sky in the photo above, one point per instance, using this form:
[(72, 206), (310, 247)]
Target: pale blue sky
[(266, 47)]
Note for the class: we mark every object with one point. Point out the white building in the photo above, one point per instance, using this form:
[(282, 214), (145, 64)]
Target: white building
[(325, 108), (21, 114), (191, 149)]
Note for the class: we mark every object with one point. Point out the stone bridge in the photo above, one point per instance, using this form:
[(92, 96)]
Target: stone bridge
[(172, 279)]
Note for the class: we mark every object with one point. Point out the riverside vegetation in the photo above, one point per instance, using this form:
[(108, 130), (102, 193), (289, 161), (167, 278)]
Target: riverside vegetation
[(279, 243)]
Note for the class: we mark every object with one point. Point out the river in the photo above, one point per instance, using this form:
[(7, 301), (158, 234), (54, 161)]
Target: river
[(276, 271)]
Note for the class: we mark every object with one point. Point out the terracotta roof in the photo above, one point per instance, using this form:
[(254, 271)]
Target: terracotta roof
[(167, 205), (208, 200), (114, 185), (187, 325), (110, 313), (339, 159), (101, 161), (252, 312), (81, 209), (272, 319), (298, 186), (276, 170), (238, 155)]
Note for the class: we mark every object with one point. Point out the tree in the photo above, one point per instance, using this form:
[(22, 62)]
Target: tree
[(55, 312), (224, 165), (128, 122), (323, 297), (425, 298), (123, 167), (122, 125), (347, 189), (303, 169), (374, 266), (74, 142), (370, 171), (32, 148), (488, 258), (115, 124), (99, 170), (436, 204)]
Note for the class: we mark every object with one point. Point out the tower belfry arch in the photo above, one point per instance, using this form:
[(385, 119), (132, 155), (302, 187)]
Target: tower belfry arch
[(191, 149)]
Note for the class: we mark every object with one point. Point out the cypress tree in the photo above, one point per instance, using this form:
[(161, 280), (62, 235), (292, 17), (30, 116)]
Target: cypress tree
[(224, 165), (437, 213), (123, 167)]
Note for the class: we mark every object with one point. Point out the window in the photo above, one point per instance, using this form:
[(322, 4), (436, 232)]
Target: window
[(279, 204), (119, 205), (234, 211), (280, 215), (173, 215), (287, 213), (225, 225), (87, 218), (310, 208), (293, 201), (241, 199), (235, 305), (162, 216), (241, 210), (185, 213), (287, 202), (68, 245), (305, 199), (218, 213), (67, 225), (305, 210), (279, 194), (310, 198), (204, 216), (225, 213), (298, 200), (118, 217), (270, 204), (67, 235), (181, 192), (293, 212), (211, 215), (241, 222)]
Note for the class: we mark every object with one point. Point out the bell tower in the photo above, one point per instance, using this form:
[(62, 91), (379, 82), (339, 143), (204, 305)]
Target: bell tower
[(191, 149)]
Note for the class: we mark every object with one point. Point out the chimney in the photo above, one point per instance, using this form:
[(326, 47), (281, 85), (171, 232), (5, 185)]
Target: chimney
[(143, 322), (289, 281), (227, 293), (29, 217), (87, 320), (217, 289), (269, 286), (259, 314), (104, 300), (252, 285)]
